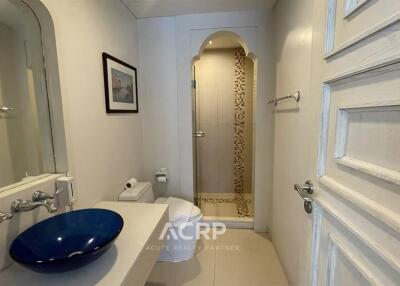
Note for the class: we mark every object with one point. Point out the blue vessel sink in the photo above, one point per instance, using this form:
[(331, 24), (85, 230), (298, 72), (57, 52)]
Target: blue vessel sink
[(67, 241)]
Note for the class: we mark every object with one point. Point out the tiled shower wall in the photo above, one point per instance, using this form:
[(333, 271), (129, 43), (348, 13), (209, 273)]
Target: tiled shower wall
[(224, 105)]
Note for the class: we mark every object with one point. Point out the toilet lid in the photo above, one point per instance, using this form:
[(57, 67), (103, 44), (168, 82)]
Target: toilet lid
[(195, 213)]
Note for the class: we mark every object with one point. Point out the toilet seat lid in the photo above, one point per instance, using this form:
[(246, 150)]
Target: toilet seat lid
[(195, 213)]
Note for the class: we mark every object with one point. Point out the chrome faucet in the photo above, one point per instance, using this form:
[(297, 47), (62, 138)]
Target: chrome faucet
[(24, 206), (38, 199)]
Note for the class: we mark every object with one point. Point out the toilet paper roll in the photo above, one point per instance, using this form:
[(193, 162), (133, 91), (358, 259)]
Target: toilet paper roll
[(130, 184)]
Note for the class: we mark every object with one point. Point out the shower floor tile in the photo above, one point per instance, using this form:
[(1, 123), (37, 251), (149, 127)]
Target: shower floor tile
[(209, 209), (227, 210), (227, 196), (226, 204)]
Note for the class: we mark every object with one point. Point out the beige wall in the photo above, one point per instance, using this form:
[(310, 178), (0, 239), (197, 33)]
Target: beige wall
[(296, 136), (103, 150), (157, 86), (215, 75)]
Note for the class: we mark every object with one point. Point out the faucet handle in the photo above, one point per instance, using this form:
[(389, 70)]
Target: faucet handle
[(51, 207), (41, 196), (5, 216)]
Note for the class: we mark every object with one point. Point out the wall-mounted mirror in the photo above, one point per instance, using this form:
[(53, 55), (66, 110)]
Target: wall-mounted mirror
[(26, 144)]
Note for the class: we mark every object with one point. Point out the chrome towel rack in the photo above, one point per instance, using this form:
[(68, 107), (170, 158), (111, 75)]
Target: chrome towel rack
[(296, 97), (5, 109)]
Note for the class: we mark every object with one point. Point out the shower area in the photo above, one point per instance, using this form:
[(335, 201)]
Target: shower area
[(223, 110)]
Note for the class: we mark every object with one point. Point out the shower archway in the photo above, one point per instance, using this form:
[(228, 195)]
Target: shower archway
[(189, 37), (223, 149)]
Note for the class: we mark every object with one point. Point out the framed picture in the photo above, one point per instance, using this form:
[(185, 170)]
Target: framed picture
[(120, 83)]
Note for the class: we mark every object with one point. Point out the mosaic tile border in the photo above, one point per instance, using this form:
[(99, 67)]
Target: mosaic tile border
[(239, 121)]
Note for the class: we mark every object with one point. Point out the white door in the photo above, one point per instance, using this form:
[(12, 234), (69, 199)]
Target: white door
[(357, 199), (351, 106)]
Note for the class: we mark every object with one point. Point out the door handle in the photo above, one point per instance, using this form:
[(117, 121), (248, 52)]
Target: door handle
[(199, 134), (305, 191)]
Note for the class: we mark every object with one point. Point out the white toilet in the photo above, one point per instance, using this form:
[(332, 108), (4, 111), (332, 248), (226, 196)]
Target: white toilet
[(176, 248)]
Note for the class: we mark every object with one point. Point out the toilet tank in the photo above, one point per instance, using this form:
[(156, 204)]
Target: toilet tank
[(141, 193)]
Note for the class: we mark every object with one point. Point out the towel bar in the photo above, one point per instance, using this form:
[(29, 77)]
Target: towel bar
[(296, 97)]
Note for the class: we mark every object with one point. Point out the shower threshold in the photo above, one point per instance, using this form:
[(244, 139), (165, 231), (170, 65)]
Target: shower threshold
[(235, 210), (231, 222)]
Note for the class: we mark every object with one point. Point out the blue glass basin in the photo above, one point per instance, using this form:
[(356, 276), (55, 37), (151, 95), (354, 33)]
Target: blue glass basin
[(67, 241)]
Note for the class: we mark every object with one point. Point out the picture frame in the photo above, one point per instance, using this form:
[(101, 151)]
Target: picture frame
[(120, 84)]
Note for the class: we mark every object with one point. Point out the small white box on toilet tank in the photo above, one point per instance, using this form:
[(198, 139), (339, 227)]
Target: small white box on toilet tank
[(141, 193)]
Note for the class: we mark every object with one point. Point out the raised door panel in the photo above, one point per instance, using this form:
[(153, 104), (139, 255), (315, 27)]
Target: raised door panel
[(363, 135), (356, 236), (349, 21), (348, 254)]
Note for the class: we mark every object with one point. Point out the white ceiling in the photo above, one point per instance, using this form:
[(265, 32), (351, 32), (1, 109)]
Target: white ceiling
[(162, 8)]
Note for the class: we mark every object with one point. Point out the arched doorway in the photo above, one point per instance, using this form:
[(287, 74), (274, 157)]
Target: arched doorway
[(222, 105)]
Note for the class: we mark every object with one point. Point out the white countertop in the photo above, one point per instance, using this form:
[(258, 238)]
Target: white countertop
[(128, 262)]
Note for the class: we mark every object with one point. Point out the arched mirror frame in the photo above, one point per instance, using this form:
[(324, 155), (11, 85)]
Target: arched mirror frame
[(53, 89)]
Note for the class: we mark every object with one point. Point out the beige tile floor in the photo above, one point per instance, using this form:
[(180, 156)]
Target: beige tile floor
[(222, 209), (237, 258)]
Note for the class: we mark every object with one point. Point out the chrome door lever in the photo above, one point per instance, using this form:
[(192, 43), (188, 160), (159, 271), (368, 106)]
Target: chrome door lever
[(305, 191), (307, 187)]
